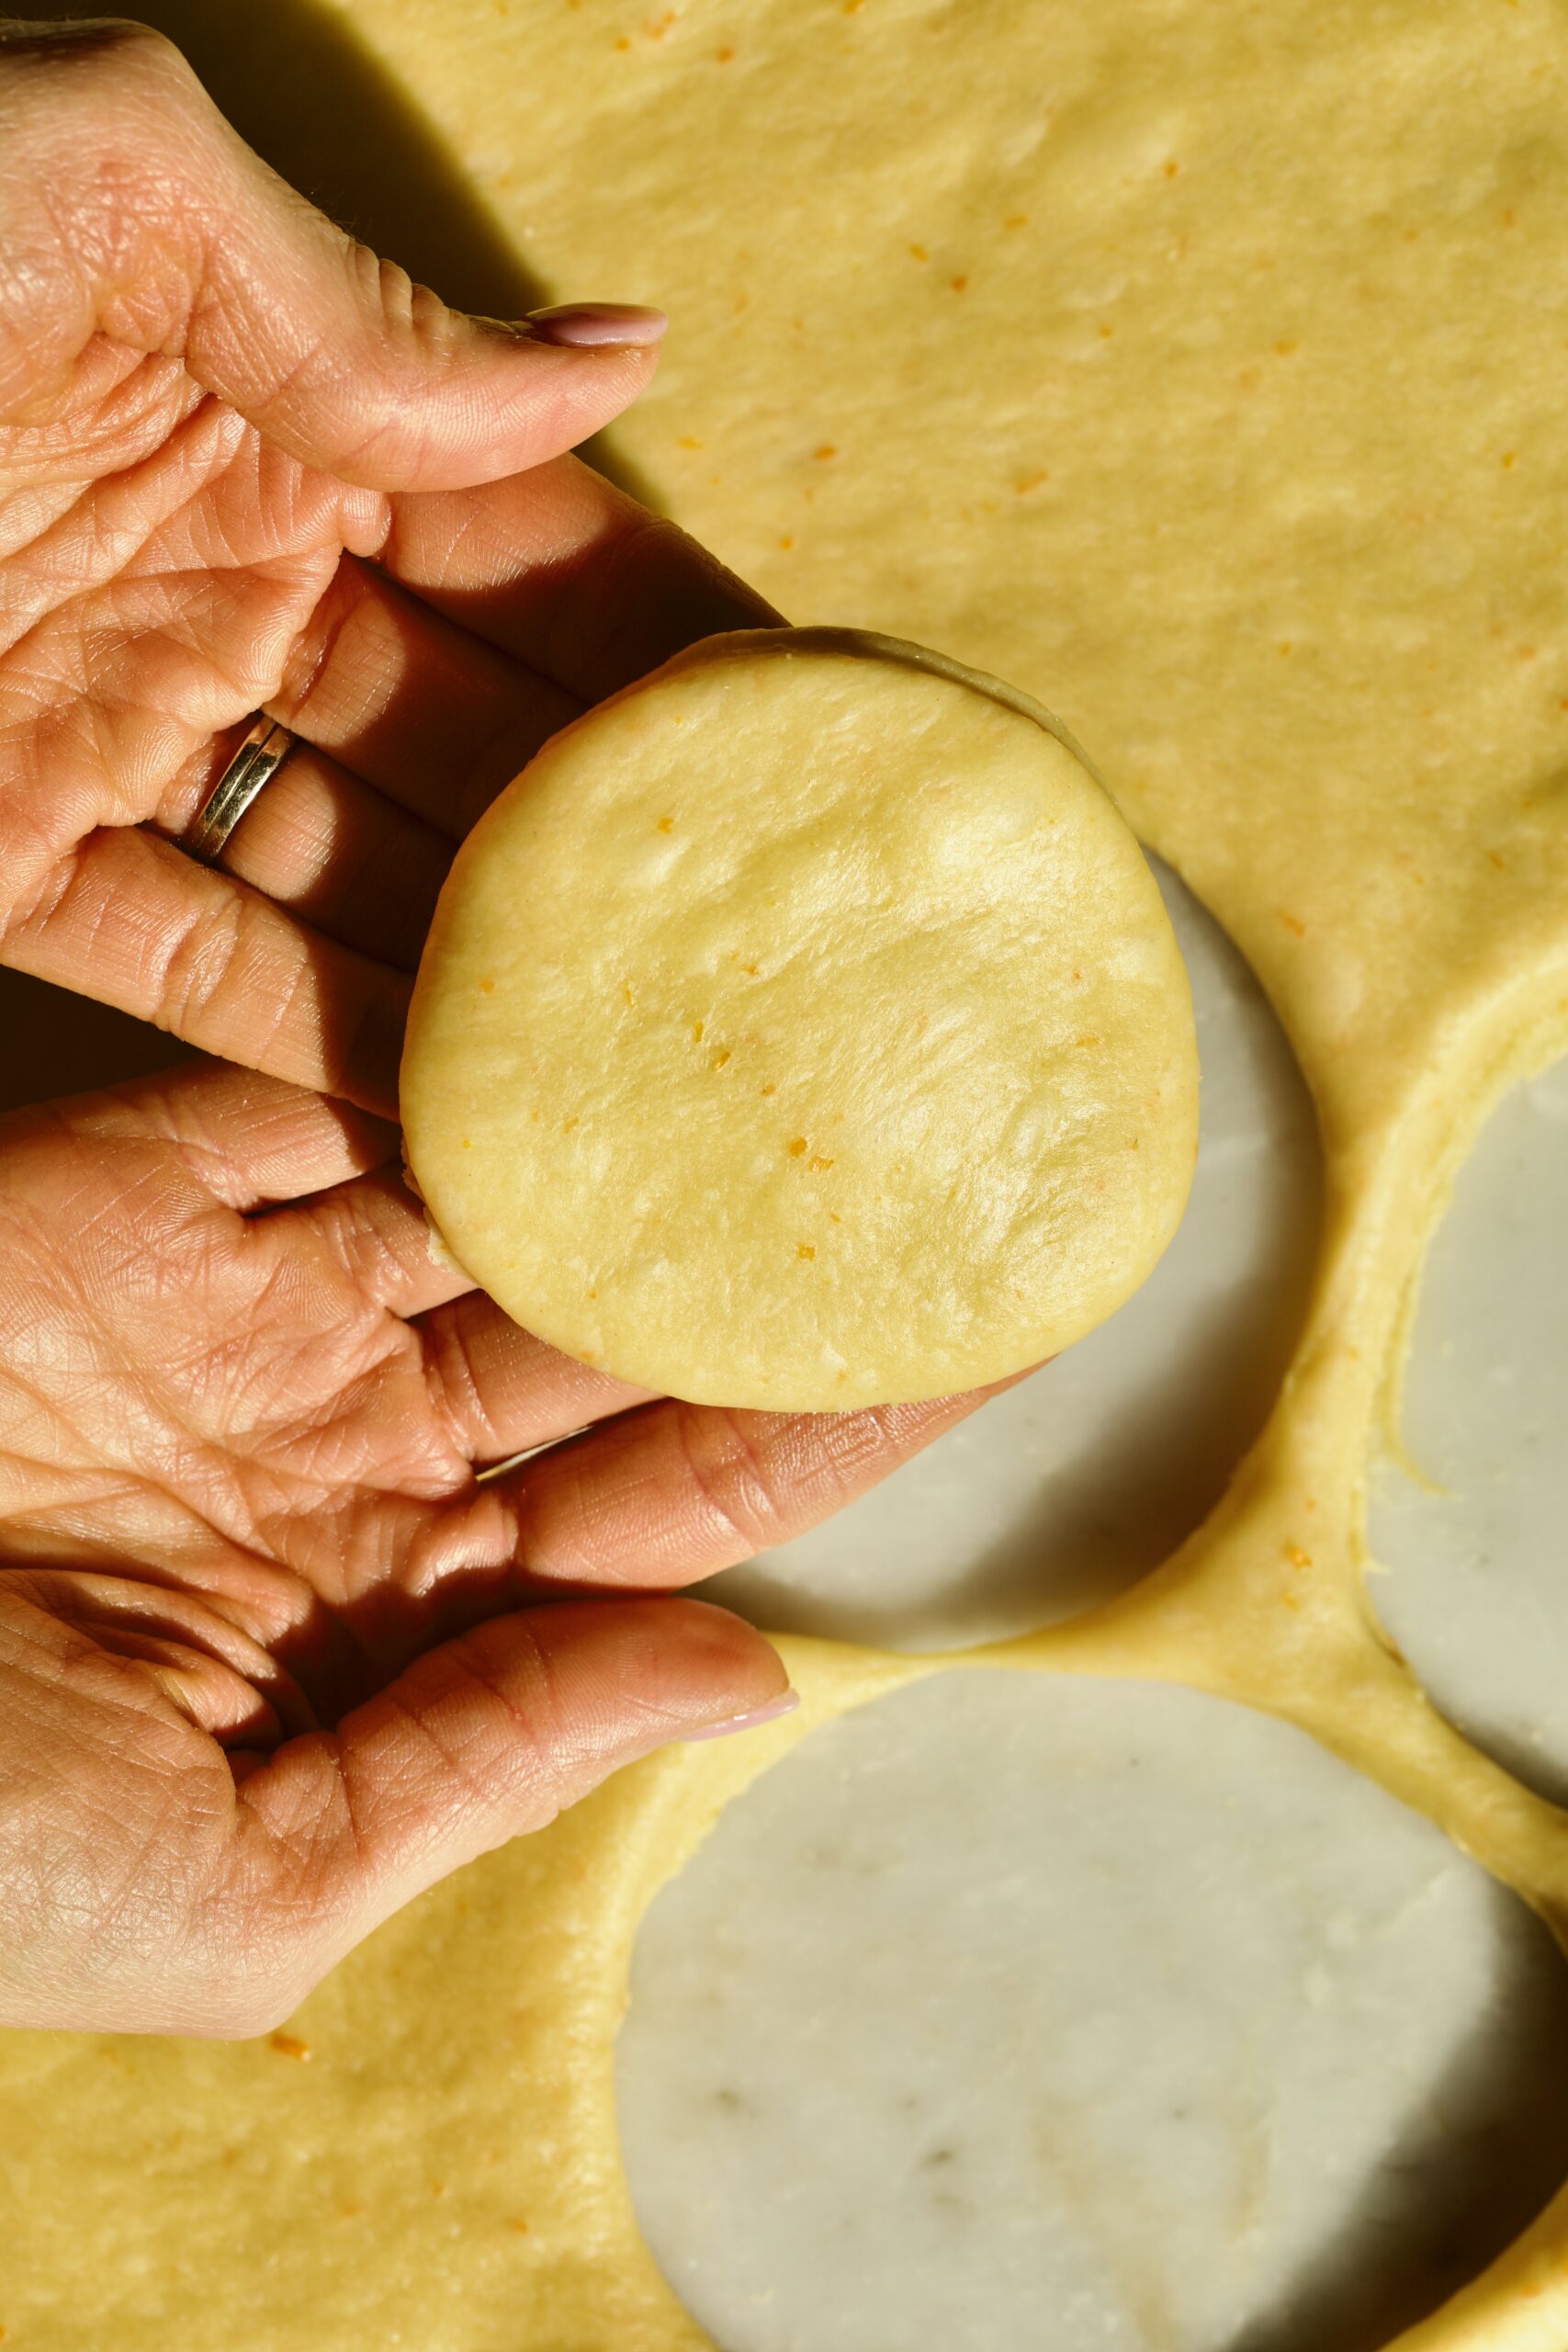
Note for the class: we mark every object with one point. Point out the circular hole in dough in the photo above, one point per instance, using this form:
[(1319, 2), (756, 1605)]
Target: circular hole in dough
[(804, 1028), (1010, 2012), (1067, 1488), (1471, 1531)]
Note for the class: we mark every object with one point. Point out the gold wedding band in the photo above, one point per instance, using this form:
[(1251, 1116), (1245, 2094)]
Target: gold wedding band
[(258, 760)]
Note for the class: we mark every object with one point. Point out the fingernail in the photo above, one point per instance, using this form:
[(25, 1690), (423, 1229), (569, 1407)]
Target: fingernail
[(590, 326), (784, 1704)]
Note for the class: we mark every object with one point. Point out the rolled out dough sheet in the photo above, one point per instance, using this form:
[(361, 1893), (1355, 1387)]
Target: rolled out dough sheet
[(1199, 371)]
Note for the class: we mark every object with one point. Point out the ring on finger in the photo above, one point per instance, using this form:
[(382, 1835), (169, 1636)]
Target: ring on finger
[(266, 746)]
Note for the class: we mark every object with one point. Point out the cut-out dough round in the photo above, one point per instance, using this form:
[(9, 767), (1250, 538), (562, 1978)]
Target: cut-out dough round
[(804, 1028)]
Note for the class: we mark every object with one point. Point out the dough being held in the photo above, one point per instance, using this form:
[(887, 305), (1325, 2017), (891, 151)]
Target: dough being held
[(804, 1028)]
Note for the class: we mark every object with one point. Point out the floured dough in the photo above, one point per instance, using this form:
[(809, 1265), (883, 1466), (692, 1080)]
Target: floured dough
[(804, 1028), (1201, 369)]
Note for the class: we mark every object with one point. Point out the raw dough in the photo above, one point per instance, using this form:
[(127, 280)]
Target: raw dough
[(804, 1028), (1200, 368)]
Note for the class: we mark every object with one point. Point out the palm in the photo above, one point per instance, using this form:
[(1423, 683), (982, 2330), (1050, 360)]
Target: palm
[(271, 1654), (228, 1406)]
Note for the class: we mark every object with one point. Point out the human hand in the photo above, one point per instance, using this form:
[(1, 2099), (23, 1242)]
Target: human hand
[(243, 465), (271, 1659)]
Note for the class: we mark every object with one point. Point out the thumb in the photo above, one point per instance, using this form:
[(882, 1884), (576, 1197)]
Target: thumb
[(158, 226), (488, 1735)]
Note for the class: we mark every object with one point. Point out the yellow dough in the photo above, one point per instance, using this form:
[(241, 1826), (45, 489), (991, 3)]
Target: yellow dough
[(804, 1028), (1204, 369)]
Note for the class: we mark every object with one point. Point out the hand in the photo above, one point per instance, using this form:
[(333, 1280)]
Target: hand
[(243, 465), (271, 1658)]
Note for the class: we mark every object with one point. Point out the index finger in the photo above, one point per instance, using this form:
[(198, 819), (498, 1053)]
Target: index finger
[(567, 573)]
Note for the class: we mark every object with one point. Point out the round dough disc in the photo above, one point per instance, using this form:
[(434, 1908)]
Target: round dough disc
[(803, 1028)]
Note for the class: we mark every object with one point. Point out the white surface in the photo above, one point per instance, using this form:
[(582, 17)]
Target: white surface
[(1015, 2015), (1477, 1596), (1092, 1471), (1030, 2015)]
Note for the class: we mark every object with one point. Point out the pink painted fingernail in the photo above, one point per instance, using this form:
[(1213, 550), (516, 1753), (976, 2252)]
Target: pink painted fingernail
[(592, 326), (784, 1704)]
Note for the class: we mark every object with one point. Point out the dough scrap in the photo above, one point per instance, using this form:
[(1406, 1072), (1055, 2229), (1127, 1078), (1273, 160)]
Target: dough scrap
[(804, 1029)]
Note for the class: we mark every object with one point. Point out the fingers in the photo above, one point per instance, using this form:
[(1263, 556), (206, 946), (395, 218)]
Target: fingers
[(676, 1491), (144, 216), (326, 846), (376, 1231), (491, 1735), (128, 920), (224, 1682), (245, 1137), (500, 1390), (496, 1387), (567, 575), (429, 713)]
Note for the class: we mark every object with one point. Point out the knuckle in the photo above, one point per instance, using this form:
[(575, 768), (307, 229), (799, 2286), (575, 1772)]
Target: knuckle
[(730, 1473), (346, 657), (197, 965)]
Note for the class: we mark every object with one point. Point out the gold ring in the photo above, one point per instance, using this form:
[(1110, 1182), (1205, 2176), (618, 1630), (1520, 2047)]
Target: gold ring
[(258, 760)]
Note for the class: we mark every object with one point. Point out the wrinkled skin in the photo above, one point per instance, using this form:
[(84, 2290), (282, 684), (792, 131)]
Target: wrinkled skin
[(243, 464), (271, 1659)]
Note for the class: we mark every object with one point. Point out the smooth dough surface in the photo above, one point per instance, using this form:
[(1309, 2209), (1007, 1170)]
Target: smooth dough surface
[(804, 1028), (1202, 371)]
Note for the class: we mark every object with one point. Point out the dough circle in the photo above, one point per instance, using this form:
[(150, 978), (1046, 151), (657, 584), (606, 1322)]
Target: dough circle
[(804, 1028)]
